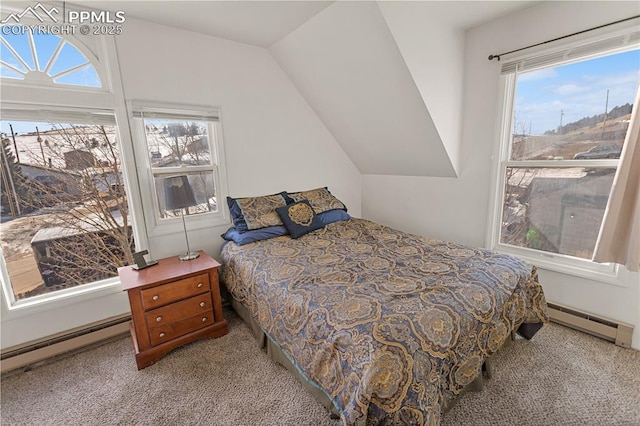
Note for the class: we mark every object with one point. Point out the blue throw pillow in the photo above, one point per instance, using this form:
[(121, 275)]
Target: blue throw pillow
[(299, 218), (247, 237), (333, 216)]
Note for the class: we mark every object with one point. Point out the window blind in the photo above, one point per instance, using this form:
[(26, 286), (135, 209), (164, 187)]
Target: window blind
[(58, 116), (533, 62), (160, 115)]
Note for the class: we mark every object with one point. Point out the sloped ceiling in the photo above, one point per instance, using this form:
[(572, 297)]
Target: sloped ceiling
[(386, 77), (346, 63)]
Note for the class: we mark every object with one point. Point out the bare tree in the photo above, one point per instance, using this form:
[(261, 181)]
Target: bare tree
[(186, 144), (89, 232)]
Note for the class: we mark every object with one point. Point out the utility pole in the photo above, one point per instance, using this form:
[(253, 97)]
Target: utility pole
[(606, 109), (561, 114), (44, 160), (15, 146), (7, 180)]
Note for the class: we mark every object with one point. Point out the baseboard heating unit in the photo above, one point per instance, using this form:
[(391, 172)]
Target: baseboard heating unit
[(614, 331), (69, 341)]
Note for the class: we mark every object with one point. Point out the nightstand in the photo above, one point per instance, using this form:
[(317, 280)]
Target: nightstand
[(172, 303)]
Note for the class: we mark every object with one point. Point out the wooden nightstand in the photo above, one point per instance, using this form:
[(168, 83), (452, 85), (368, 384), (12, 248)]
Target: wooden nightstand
[(172, 303)]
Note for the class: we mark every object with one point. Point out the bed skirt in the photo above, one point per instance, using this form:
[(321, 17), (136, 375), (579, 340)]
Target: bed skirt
[(275, 353)]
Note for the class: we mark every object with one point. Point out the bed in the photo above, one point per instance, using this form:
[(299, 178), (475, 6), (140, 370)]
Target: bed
[(387, 326)]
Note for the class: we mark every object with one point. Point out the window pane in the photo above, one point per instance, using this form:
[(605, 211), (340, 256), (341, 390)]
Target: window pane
[(10, 58), (555, 210), (174, 143), (9, 73), (65, 218), (68, 58), (87, 77), (202, 184), (20, 43), (46, 45), (575, 111)]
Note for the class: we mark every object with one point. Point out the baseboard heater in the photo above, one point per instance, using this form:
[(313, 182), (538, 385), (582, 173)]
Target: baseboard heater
[(63, 343), (613, 331)]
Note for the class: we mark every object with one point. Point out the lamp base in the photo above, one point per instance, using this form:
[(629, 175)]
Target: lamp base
[(189, 256)]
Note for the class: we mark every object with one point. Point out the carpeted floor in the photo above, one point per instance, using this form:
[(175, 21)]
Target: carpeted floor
[(561, 377)]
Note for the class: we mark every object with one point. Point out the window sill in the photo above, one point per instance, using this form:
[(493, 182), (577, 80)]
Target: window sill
[(609, 274), (65, 297), (175, 226)]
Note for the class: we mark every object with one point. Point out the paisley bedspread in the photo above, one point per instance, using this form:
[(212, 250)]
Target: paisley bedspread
[(391, 326)]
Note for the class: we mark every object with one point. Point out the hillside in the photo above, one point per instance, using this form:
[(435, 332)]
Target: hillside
[(576, 137), (616, 112)]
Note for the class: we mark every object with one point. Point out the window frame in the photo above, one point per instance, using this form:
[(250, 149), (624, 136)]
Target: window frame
[(155, 225), (607, 273)]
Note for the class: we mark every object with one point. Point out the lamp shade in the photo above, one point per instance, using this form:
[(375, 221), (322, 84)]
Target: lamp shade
[(178, 193)]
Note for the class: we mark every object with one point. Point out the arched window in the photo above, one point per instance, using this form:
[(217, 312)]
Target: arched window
[(46, 59)]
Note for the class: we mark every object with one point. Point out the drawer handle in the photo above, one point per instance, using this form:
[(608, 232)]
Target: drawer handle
[(155, 297), (200, 285), (202, 304), (159, 319), (204, 319), (162, 334)]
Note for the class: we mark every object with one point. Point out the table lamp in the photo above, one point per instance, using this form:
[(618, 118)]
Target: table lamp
[(178, 196)]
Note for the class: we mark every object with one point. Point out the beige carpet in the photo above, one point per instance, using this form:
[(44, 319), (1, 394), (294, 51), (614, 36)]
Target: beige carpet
[(561, 377)]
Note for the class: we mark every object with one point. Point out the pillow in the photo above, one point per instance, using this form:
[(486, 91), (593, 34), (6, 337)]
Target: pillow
[(333, 216), (299, 218), (321, 199), (256, 212), (247, 237)]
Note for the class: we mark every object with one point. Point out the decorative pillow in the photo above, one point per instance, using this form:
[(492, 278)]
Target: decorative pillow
[(247, 237), (299, 218), (320, 199), (333, 216), (256, 212)]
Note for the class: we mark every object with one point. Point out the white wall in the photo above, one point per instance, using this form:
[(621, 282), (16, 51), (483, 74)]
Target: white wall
[(273, 139), (457, 209), (346, 63), (434, 53)]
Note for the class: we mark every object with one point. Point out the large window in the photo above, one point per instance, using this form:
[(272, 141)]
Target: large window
[(65, 216), (566, 119), (182, 142)]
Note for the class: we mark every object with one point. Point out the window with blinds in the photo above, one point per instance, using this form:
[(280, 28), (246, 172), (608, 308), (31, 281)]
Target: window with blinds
[(566, 117), (181, 142)]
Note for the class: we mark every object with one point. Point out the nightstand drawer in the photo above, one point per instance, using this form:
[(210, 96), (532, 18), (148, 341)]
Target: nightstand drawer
[(178, 311), (177, 290), (168, 332)]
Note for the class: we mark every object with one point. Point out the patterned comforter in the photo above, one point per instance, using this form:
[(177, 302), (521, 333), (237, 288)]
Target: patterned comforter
[(391, 326)]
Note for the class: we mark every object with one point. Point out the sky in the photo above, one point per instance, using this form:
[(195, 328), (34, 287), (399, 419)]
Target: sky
[(578, 90)]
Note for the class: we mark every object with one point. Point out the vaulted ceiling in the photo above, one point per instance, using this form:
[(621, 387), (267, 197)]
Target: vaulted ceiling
[(386, 78)]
